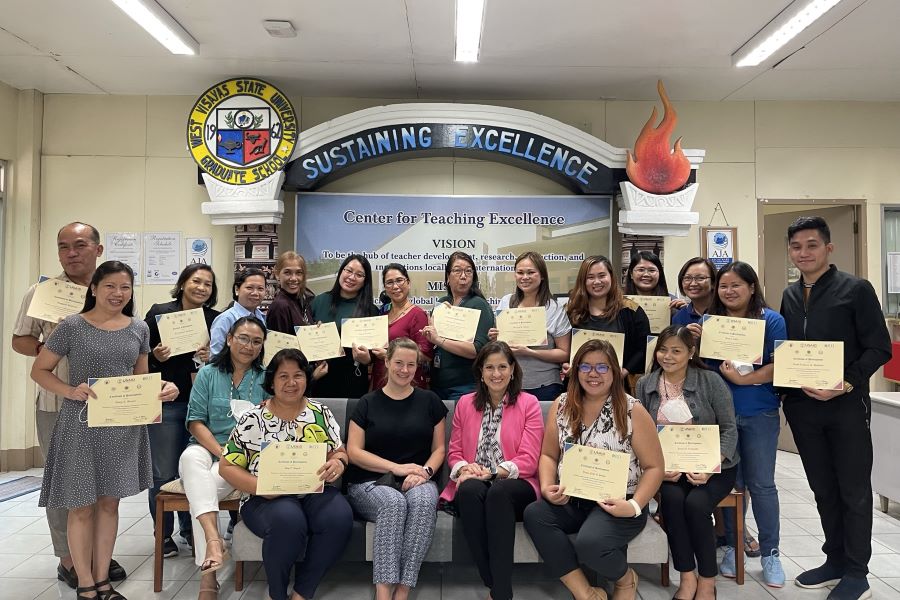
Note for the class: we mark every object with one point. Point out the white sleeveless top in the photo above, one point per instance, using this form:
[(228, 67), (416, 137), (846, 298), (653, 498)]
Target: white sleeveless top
[(600, 434)]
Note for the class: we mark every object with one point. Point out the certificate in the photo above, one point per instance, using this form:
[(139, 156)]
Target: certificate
[(818, 365), (657, 309), (319, 342), (183, 331), (290, 468), (128, 400), (523, 326), (456, 322), (733, 338), (594, 474), (371, 332), (651, 347), (580, 336), (276, 342), (55, 299), (691, 448)]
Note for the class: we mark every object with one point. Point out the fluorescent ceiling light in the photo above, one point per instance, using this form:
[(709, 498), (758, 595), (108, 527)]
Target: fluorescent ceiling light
[(799, 15), (160, 24), (469, 20)]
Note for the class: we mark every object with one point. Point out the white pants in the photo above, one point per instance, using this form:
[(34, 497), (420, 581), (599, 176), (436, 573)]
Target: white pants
[(204, 487)]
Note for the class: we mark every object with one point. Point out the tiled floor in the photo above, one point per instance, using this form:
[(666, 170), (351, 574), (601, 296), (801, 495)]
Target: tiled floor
[(27, 565)]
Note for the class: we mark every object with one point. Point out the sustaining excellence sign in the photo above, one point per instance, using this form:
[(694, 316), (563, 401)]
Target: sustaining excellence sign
[(421, 232), (360, 149)]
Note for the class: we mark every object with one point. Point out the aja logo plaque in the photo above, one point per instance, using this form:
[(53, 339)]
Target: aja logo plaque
[(242, 131)]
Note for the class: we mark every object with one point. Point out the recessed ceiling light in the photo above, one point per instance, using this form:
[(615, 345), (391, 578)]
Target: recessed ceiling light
[(280, 29), (799, 15), (160, 24), (469, 22)]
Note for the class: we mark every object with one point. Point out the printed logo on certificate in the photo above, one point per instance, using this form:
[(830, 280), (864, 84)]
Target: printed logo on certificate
[(581, 336), (55, 299), (691, 448), (817, 365), (594, 473), (290, 468), (523, 326), (125, 401), (733, 338)]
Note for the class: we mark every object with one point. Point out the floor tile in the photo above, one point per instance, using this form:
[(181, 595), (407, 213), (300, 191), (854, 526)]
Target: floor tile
[(10, 561), (19, 543), (881, 590), (894, 582), (885, 565), (19, 589), (35, 566)]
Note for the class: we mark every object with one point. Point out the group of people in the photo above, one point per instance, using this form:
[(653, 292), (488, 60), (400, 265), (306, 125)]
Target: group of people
[(221, 406)]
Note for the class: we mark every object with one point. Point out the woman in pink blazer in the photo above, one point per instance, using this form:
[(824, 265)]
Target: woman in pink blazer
[(494, 449)]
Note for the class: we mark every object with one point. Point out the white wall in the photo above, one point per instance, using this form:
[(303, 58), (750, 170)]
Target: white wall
[(120, 162)]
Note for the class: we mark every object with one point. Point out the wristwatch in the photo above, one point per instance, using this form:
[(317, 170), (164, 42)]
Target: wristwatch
[(430, 471), (493, 474), (848, 387)]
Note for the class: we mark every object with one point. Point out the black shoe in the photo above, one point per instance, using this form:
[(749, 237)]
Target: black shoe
[(116, 572), (170, 548), (67, 575), (851, 588), (229, 532), (819, 577), (187, 537)]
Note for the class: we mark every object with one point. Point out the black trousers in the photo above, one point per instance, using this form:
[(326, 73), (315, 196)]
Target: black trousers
[(835, 445), (687, 515), (601, 543), (489, 512)]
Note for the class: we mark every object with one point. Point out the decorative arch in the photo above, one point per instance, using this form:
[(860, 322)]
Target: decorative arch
[(579, 161)]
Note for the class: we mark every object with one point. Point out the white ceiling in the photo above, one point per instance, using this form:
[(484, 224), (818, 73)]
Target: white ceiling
[(532, 49)]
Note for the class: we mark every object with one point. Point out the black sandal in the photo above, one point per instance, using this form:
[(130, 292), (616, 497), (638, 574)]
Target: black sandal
[(110, 594), (89, 588)]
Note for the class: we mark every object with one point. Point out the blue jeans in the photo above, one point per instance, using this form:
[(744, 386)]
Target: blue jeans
[(167, 441), (547, 392), (453, 393), (757, 447)]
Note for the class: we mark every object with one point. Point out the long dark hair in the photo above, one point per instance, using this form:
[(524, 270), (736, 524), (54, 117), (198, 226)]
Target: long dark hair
[(364, 307), (383, 297), (241, 276), (105, 269), (482, 394), (475, 290), (574, 408), (697, 260), (687, 338), (543, 294), (178, 291), (222, 360), (662, 289), (749, 276), (578, 309)]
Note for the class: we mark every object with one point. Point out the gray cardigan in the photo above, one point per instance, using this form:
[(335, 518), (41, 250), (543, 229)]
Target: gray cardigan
[(709, 399)]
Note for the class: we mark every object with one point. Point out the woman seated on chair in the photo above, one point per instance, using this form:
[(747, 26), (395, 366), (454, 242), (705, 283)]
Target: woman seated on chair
[(234, 374), (494, 451), (306, 533), (681, 390), (395, 439), (595, 412)]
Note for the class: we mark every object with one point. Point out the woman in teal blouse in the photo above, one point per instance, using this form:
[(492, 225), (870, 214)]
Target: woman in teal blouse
[(228, 385)]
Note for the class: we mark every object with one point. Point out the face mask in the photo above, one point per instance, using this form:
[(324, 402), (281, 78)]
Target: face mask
[(239, 407), (677, 411)]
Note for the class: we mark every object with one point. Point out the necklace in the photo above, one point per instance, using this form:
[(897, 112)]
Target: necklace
[(406, 308), (676, 387)]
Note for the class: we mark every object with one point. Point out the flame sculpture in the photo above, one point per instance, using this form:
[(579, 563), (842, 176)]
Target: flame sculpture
[(654, 168)]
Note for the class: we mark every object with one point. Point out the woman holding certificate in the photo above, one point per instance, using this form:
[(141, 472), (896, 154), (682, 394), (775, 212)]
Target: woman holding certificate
[(248, 293), (683, 391), (350, 296), (405, 319), (395, 439), (645, 277), (540, 364), (696, 281), (739, 294), (595, 413), (232, 381), (89, 469), (454, 353), (306, 533), (494, 448), (596, 302), (195, 289), (292, 304)]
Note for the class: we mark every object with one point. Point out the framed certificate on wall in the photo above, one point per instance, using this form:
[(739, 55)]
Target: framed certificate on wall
[(719, 244)]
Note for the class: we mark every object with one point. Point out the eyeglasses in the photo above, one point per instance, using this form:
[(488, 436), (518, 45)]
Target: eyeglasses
[(697, 279), (461, 272), (395, 282), (246, 340), (646, 271), (351, 273), (601, 368)]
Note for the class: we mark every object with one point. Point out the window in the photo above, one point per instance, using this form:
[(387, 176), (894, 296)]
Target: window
[(890, 242)]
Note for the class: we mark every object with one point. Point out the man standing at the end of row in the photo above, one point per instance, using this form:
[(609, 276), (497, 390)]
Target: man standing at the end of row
[(78, 246), (831, 427)]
